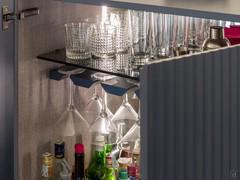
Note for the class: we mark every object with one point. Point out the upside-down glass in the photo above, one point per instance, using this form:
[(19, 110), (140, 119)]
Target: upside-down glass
[(124, 117), (71, 126), (94, 106), (77, 40), (133, 134), (103, 40), (103, 124)]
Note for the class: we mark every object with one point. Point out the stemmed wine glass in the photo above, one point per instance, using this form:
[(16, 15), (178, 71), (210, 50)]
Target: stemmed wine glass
[(124, 117), (71, 127), (66, 122), (103, 124), (133, 134), (94, 106)]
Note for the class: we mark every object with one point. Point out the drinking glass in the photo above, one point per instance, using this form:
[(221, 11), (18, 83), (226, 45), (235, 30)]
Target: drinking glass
[(158, 33), (103, 124), (124, 117), (77, 40), (120, 19), (71, 126), (71, 116), (103, 40), (194, 31), (133, 134), (140, 37), (122, 61), (94, 106)]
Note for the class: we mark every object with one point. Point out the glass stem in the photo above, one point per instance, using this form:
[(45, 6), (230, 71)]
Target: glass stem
[(126, 98), (70, 92), (104, 103), (139, 111)]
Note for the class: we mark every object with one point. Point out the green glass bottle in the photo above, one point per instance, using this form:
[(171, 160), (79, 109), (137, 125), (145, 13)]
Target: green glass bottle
[(108, 149), (110, 171), (97, 168)]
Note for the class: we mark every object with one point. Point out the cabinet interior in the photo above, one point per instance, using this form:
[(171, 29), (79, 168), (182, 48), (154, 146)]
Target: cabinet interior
[(43, 99)]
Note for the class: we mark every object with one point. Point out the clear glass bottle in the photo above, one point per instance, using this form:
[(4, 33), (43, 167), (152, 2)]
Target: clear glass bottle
[(47, 166), (62, 169)]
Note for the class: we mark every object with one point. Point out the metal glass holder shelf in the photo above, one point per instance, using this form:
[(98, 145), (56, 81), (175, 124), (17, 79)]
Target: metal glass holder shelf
[(59, 56)]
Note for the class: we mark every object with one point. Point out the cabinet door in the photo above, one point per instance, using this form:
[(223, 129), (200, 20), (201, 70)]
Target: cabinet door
[(7, 95), (191, 117)]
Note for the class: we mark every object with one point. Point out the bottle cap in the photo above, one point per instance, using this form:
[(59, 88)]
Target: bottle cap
[(47, 158), (216, 32), (132, 170), (79, 148), (123, 174), (59, 149), (99, 141), (99, 138), (123, 162)]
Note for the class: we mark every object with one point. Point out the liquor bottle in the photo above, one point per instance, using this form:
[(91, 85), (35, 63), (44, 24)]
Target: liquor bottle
[(97, 166), (124, 162), (79, 162), (62, 170), (123, 175), (216, 39), (136, 156), (47, 166), (108, 149), (132, 172), (110, 171)]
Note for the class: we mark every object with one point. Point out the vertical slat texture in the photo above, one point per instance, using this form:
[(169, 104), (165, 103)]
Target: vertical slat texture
[(193, 117)]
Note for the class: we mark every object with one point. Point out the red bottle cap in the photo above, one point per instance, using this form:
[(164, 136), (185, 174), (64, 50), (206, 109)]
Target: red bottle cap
[(132, 170), (79, 148)]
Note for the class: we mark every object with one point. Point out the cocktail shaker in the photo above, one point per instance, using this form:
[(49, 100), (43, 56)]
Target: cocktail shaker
[(216, 39)]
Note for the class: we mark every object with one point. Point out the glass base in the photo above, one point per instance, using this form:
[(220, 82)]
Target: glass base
[(104, 77), (77, 55), (140, 60), (69, 70)]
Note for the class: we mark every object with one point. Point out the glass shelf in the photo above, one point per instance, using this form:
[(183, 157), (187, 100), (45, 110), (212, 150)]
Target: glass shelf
[(59, 56)]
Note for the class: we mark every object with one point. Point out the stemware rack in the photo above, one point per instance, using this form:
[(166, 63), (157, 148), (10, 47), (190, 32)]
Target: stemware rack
[(85, 79)]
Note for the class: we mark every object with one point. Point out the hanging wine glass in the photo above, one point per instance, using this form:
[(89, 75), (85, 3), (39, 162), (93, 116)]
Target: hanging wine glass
[(103, 124), (133, 134), (66, 122), (71, 127), (124, 117), (94, 106)]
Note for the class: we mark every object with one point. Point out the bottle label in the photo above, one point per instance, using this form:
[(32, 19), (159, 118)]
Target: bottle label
[(45, 171)]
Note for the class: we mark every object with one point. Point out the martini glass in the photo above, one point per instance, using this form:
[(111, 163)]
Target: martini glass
[(71, 127), (71, 116), (133, 134), (94, 106), (124, 117), (103, 124)]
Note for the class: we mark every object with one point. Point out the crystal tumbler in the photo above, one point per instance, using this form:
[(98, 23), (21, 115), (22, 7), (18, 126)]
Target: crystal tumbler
[(77, 40)]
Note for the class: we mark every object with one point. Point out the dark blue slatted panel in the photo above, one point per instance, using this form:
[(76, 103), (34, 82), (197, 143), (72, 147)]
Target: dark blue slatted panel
[(191, 108)]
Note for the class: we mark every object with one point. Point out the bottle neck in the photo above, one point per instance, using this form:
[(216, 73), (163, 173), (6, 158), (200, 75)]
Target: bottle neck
[(216, 32)]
